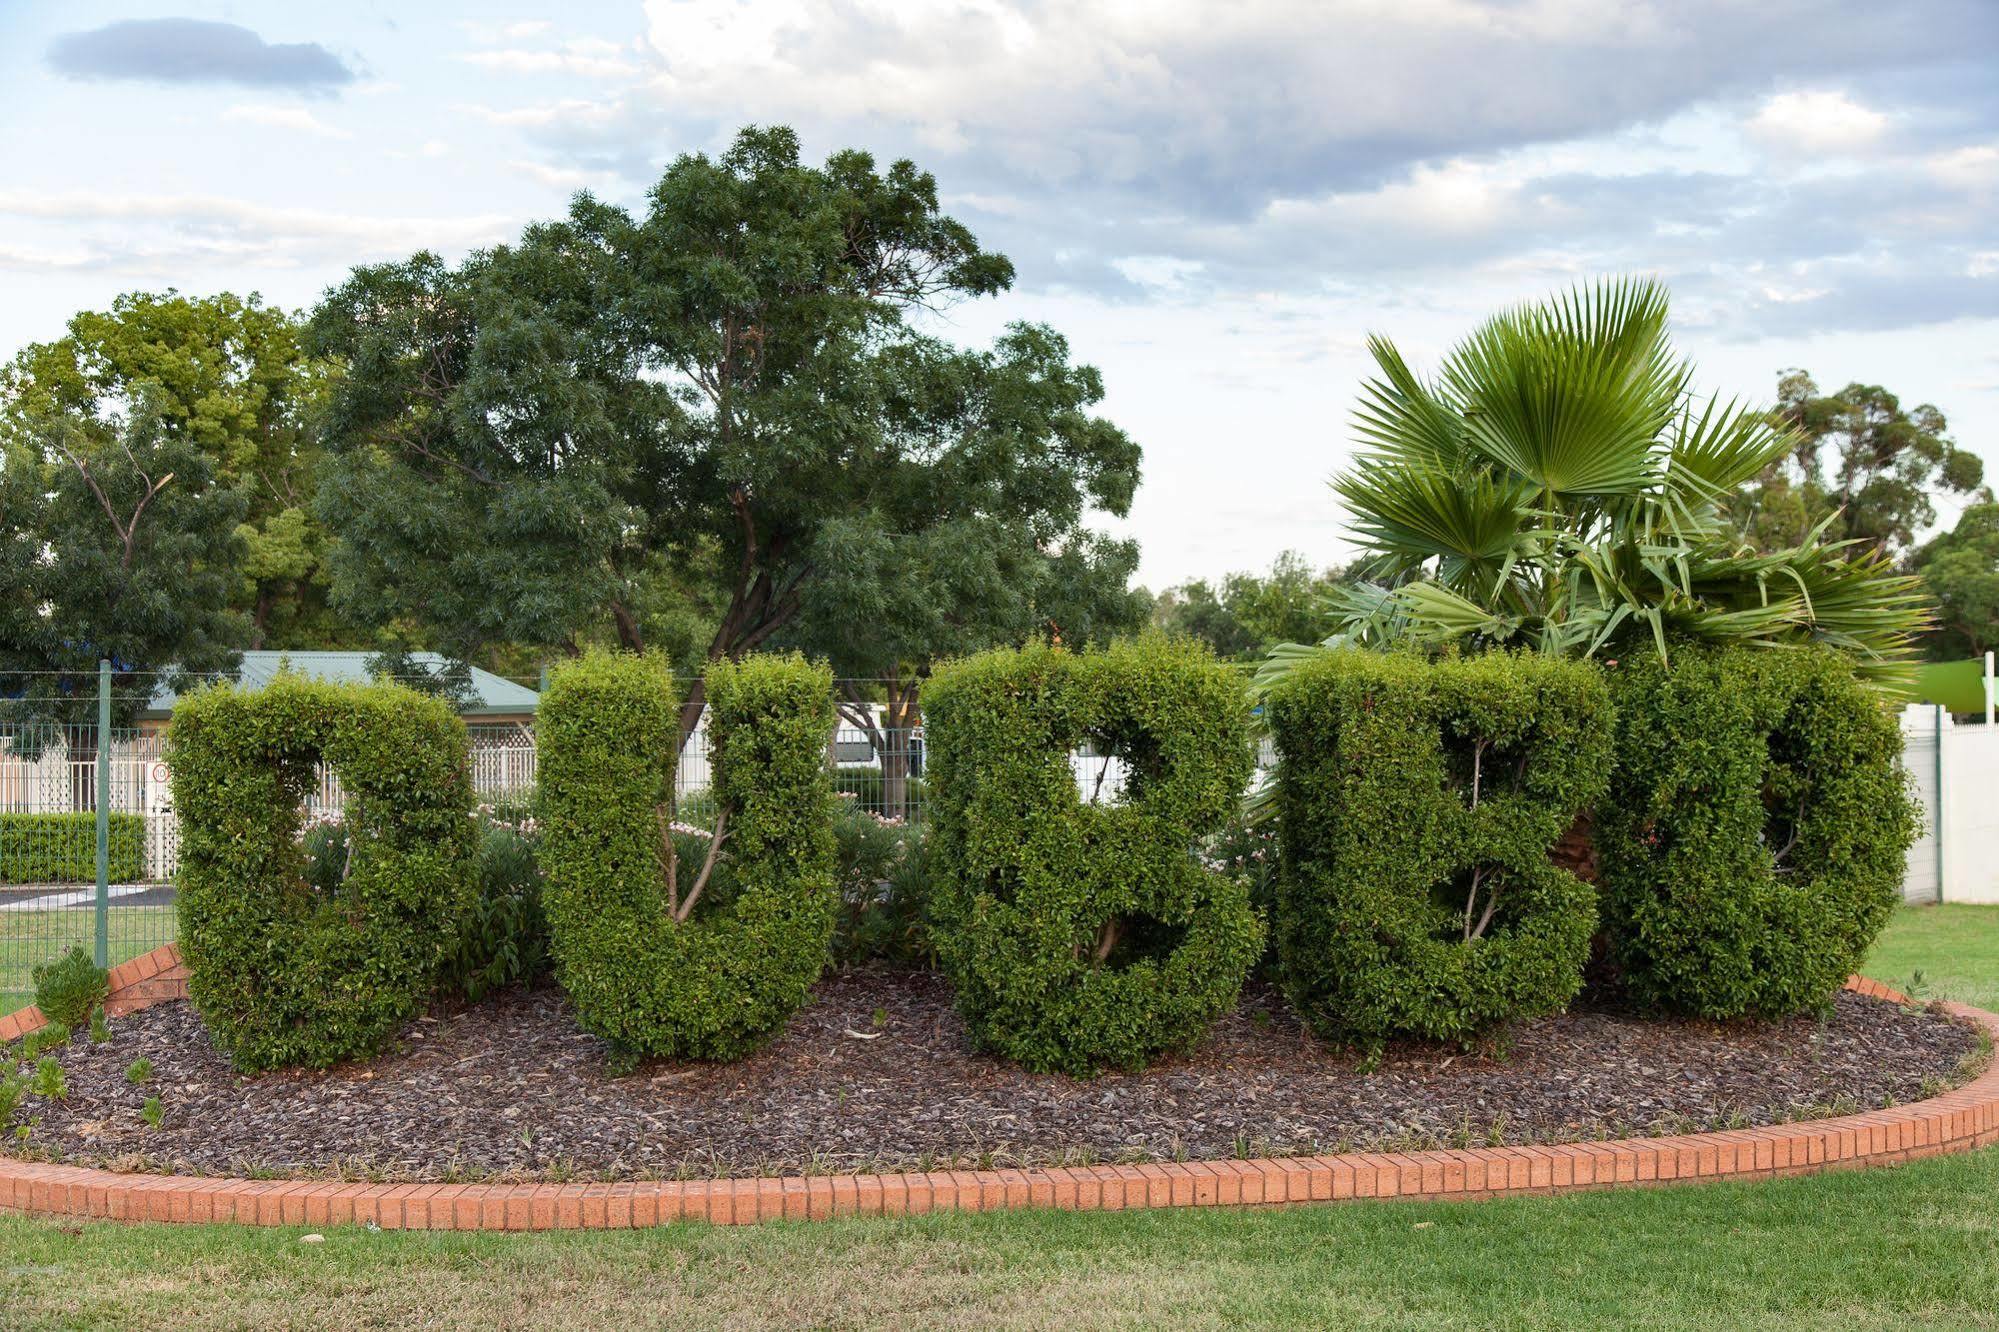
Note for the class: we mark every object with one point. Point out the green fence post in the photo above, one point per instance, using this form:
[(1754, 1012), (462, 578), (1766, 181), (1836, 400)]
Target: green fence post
[(103, 813)]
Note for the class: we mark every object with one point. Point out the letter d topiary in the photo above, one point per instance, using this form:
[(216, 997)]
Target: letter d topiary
[(1755, 839), (1417, 804), (645, 969), (281, 973), (1080, 935)]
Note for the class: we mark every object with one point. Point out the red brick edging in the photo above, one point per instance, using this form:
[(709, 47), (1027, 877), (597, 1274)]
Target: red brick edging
[(1956, 1121)]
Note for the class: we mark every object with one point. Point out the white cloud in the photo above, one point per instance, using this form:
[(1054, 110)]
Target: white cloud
[(1818, 122), (586, 57), (295, 118), (1973, 168), (155, 232), (1162, 272), (566, 178)]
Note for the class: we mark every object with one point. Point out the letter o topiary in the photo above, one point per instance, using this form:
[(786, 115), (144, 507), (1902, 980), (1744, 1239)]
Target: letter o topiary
[(1417, 803), (281, 973), (1755, 838), (644, 969), (1081, 934)]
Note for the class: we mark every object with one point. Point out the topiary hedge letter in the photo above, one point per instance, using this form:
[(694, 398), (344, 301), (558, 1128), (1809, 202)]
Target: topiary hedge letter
[(283, 974), (645, 970), (1417, 803), (1087, 934), (1755, 839)]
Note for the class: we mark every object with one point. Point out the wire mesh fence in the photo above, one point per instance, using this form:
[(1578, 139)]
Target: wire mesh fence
[(52, 782)]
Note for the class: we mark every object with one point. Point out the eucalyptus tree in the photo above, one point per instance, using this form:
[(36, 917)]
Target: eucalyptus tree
[(1560, 485)]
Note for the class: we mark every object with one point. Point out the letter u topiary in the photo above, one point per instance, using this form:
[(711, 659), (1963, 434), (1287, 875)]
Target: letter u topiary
[(644, 968), (282, 973), (1755, 839), (1417, 803), (1087, 934)]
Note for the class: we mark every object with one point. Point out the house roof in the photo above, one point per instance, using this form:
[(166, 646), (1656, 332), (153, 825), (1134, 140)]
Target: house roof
[(492, 695)]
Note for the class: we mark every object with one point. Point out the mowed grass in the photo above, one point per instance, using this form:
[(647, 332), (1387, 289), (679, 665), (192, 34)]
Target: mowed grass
[(1909, 1248), (1941, 952), (30, 938)]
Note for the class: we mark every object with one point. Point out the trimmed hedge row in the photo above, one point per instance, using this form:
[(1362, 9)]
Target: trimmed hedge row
[(62, 848), (1080, 935), (644, 969), (283, 972), (1417, 805), (1753, 842)]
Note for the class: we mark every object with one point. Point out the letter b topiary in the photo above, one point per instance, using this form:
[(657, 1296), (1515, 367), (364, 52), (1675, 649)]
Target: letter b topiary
[(645, 969), (1417, 804), (281, 972), (1087, 934)]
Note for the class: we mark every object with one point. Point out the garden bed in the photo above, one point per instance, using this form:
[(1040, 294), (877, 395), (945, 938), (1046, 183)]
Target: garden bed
[(874, 1073)]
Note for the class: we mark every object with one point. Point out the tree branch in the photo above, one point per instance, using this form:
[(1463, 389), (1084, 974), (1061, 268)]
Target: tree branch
[(720, 836)]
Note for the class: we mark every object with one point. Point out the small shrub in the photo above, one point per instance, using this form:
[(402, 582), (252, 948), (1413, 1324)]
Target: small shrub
[(644, 969), (138, 1070), (152, 1112), (285, 971), (51, 1037), (1080, 935), (1754, 841), (70, 988), (1417, 803), (12, 1087), (62, 848), (881, 869), (503, 937), (48, 1081), (100, 1026)]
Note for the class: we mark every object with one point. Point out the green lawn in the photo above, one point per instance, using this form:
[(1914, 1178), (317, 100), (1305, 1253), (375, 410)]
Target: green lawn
[(1916, 1247), (29, 938), (1949, 952)]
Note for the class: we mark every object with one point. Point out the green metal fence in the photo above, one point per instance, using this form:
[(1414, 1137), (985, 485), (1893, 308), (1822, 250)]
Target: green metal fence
[(87, 844)]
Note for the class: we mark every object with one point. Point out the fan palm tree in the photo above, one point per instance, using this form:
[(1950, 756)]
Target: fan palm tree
[(1559, 485)]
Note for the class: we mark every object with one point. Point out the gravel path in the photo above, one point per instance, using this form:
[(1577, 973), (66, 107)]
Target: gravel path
[(874, 1073)]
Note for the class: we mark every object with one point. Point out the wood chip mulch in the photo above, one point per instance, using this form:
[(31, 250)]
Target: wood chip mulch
[(875, 1073)]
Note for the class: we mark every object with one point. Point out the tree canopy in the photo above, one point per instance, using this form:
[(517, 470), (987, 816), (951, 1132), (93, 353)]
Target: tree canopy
[(731, 386), (1247, 613), (1961, 569), (1859, 465), (230, 377)]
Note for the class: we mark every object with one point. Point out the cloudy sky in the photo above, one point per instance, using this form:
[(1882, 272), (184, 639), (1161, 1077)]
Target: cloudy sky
[(1215, 202)]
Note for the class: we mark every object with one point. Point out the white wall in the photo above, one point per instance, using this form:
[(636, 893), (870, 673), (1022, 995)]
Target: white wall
[(1966, 818)]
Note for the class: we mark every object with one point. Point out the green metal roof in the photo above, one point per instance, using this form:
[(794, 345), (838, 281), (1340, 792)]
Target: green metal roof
[(493, 695)]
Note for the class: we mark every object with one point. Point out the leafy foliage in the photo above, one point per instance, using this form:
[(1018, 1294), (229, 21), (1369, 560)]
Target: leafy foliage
[(288, 972), (644, 969), (116, 541), (1248, 613), (881, 867), (503, 938), (1753, 842), (1859, 463), (1559, 486), (70, 988), (1417, 804), (62, 848), (724, 395), (1961, 570), (231, 378), (1080, 934)]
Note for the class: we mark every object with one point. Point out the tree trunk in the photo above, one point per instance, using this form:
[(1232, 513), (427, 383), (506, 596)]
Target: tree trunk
[(900, 717)]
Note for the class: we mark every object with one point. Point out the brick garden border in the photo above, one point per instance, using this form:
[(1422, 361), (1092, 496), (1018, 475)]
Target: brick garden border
[(1954, 1122)]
